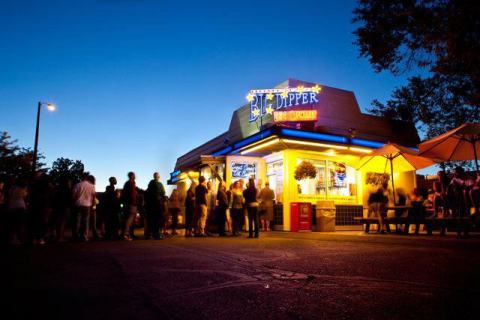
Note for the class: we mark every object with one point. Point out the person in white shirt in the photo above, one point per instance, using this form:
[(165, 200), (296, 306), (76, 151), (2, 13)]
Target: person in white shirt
[(83, 197)]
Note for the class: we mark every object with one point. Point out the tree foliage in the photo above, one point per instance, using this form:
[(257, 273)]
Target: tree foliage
[(440, 39), (16, 162), (64, 168), (441, 36), (429, 104)]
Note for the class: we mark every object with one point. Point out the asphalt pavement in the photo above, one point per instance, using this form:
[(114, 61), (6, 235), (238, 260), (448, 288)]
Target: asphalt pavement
[(279, 276)]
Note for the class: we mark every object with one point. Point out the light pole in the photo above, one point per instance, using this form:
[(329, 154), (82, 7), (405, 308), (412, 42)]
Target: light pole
[(50, 107)]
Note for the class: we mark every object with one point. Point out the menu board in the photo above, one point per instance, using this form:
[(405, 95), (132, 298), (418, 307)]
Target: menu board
[(243, 170)]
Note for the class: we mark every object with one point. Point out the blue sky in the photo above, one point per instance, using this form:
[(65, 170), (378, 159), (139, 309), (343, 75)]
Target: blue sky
[(139, 83)]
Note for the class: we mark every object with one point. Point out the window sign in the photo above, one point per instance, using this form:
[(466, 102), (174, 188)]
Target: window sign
[(244, 170), (266, 101)]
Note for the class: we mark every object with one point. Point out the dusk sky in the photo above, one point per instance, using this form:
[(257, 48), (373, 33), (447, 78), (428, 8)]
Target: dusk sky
[(139, 83)]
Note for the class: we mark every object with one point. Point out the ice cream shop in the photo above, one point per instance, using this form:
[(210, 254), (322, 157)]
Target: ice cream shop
[(306, 139)]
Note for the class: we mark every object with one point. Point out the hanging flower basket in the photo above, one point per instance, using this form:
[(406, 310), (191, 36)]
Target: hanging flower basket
[(305, 170)]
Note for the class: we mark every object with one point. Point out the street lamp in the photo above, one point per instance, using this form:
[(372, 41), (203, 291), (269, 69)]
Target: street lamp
[(50, 107)]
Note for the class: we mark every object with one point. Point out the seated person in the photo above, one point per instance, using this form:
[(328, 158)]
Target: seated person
[(475, 194), (417, 212), (377, 202), (401, 201)]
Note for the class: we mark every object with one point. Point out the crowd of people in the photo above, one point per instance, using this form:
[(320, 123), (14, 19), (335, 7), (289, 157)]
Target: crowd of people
[(42, 211), (455, 194)]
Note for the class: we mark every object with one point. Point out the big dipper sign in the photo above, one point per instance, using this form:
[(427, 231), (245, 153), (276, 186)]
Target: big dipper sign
[(266, 101)]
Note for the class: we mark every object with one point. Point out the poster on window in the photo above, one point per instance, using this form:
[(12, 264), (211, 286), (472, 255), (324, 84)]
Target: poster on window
[(244, 170), (338, 175)]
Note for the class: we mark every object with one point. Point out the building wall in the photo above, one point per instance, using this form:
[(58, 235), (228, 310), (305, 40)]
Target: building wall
[(290, 193), (404, 180)]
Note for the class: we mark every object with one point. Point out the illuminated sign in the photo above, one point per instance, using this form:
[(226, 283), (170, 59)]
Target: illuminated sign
[(295, 116), (266, 101)]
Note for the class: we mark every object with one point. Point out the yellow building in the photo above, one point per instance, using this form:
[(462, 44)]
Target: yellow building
[(297, 122)]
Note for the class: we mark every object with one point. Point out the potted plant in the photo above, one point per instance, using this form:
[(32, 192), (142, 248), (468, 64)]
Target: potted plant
[(305, 170)]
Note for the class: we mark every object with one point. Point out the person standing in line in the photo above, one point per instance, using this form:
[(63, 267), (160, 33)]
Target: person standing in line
[(243, 226), (2, 196), (3, 209), (229, 209), (237, 208), (62, 208), (174, 210), (129, 195), (190, 209), (155, 207), (41, 202), (201, 207), (17, 209), (241, 184), (93, 213), (111, 210), (221, 210), (251, 203), (266, 197), (83, 197), (140, 214), (259, 187), (211, 204)]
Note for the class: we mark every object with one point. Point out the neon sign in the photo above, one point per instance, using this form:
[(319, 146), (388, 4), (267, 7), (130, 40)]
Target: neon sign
[(295, 116), (266, 101)]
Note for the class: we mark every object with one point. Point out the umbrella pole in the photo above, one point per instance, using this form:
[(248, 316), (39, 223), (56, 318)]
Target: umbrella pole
[(474, 142), (393, 184)]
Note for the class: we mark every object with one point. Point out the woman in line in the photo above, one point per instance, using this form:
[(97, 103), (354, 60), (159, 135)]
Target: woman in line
[(237, 208), (174, 210), (251, 203)]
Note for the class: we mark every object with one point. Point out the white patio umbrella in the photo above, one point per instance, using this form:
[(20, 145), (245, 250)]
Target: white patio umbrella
[(393, 156)]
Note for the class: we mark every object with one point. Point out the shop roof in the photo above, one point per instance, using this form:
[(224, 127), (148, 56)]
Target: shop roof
[(339, 115)]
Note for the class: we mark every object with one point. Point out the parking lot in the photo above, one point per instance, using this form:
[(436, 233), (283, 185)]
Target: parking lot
[(281, 275)]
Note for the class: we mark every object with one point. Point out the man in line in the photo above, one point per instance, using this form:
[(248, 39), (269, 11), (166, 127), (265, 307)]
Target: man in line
[(129, 195), (111, 210), (201, 207), (83, 197), (155, 206)]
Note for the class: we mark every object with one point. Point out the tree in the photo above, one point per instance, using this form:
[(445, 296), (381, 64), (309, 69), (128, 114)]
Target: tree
[(441, 39), (15, 162), (429, 104), (64, 168)]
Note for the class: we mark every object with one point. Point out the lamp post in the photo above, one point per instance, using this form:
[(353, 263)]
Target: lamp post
[(50, 107)]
